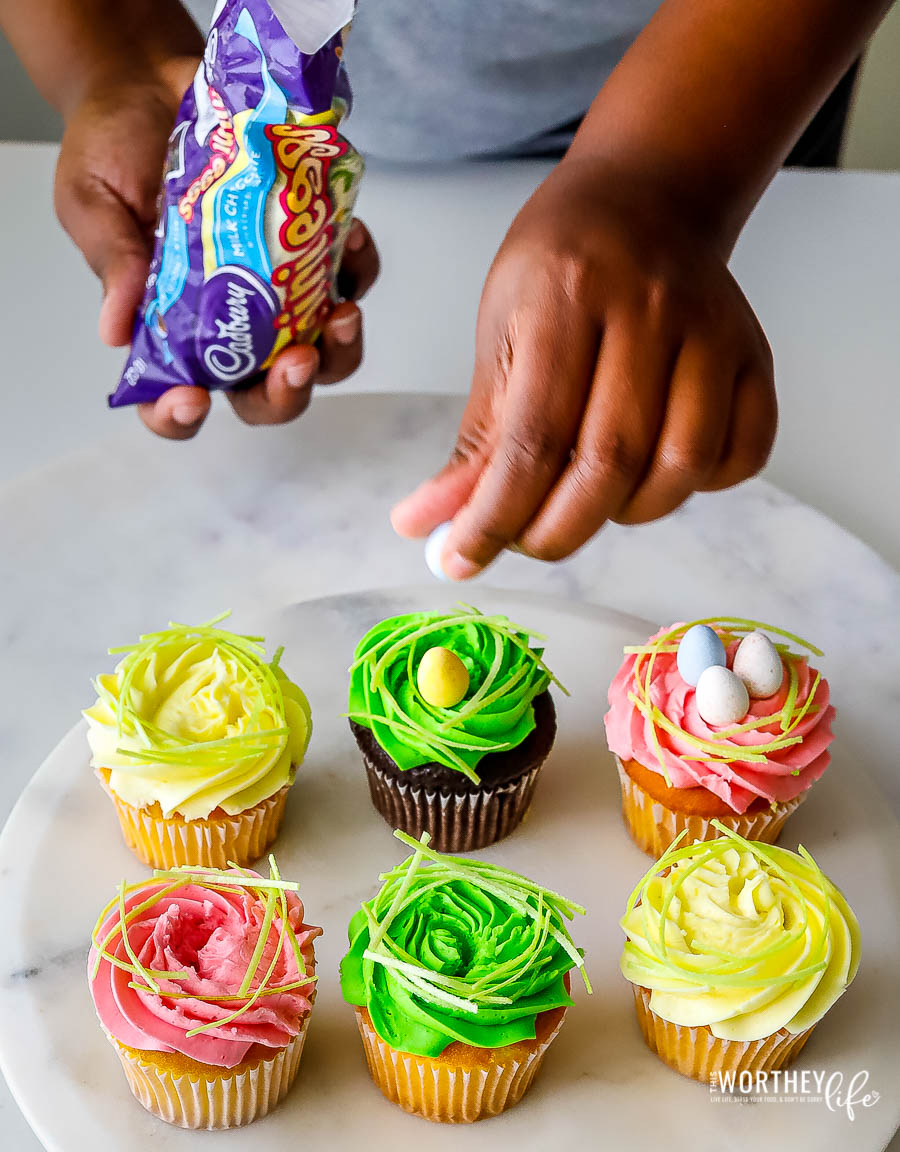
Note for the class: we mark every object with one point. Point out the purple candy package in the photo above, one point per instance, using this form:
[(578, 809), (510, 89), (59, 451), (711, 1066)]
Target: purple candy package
[(257, 199)]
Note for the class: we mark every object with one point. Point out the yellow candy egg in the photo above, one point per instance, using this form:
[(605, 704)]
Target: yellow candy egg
[(442, 678)]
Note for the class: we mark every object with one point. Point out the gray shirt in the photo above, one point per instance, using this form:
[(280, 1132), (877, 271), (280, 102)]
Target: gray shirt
[(438, 80)]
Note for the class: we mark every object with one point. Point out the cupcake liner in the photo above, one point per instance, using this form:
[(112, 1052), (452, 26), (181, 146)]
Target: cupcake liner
[(450, 1093), (169, 841), (457, 822), (695, 1052), (653, 826), (209, 1097)]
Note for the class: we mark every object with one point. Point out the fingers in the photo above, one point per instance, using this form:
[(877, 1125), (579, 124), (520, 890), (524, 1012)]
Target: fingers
[(360, 263), (615, 440), (538, 413), (340, 345), (751, 431), (114, 244), (440, 497), (177, 414), (284, 393), (692, 435)]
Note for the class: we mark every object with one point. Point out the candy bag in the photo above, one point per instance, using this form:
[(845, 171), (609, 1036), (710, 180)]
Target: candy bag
[(256, 202)]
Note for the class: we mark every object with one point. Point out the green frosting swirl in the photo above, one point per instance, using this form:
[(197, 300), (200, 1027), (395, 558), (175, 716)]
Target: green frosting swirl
[(505, 675), (458, 950)]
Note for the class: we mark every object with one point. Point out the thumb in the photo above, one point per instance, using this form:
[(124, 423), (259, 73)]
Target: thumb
[(441, 497), (115, 245)]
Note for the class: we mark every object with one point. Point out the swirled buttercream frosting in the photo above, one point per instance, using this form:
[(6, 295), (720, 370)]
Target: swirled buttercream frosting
[(742, 937), (776, 751), (458, 950), (204, 963), (505, 674), (194, 719)]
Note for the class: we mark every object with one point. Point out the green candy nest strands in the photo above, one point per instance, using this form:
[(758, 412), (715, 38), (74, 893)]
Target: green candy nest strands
[(264, 694), (505, 675), (711, 750), (457, 949), (270, 892), (704, 968)]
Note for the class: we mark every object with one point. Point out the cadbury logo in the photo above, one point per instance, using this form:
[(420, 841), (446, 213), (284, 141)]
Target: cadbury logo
[(230, 355)]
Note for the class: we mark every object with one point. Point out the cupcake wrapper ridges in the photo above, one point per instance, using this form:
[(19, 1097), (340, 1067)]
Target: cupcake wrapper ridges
[(229, 1100), (446, 1093), (460, 822), (653, 826), (161, 842), (697, 1053)]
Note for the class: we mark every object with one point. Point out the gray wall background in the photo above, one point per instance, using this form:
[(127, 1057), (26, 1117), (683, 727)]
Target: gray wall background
[(872, 141)]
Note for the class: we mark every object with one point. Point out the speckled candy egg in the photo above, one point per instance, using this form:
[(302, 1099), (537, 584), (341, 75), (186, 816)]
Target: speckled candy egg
[(721, 697), (442, 678), (700, 648), (433, 546), (758, 663)]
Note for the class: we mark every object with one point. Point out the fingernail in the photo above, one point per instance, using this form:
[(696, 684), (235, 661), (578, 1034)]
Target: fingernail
[(356, 237), (187, 414), (296, 376), (457, 567), (346, 329)]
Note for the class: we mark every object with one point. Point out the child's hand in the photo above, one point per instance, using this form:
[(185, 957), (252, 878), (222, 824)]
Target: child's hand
[(107, 183), (618, 369)]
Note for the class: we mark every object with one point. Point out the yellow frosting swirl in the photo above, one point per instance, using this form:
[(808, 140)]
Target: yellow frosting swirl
[(742, 937), (194, 719)]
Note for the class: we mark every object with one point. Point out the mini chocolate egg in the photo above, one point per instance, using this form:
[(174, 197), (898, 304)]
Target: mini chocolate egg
[(442, 678), (722, 697), (700, 648), (758, 663), (433, 547)]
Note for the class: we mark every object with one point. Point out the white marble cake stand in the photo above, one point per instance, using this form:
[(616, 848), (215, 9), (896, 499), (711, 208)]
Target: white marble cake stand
[(61, 855)]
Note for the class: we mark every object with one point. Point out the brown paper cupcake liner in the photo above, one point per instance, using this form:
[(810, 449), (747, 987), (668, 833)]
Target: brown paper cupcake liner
[(450, 1093), (211, 1098), (458, 822), (169, 841), (695, 1052), (653, 826)]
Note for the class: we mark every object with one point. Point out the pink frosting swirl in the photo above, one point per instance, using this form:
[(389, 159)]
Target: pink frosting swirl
[(210, 935), (784, 774)]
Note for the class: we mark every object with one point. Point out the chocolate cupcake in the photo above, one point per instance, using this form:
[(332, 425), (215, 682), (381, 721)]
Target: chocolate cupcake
[(454, 719)]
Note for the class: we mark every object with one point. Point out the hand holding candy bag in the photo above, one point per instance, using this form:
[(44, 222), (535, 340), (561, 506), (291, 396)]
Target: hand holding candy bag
[(256, 204)]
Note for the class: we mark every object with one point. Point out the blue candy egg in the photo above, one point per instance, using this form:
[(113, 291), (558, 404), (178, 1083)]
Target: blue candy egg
[(700, 648)]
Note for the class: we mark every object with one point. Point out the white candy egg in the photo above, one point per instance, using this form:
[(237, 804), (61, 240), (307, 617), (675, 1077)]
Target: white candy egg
[(758, 663), (700, 648), (722, 697), (433, 546)]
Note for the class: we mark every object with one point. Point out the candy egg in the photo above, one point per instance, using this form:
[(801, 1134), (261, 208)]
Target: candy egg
[(433, 546), (700, 648), (758, 663), (721, 697), (442, 678)]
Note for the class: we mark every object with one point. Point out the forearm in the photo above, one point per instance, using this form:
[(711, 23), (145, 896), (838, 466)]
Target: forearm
[(68, 45), (713, 94)]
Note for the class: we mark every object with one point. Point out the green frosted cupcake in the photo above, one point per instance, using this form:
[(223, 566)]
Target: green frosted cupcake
[(454, 719)]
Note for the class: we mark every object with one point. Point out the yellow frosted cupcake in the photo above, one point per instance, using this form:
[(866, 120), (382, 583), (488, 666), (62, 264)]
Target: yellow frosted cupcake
[(459, 972), (735, 950), (203, 982), (197, 738)]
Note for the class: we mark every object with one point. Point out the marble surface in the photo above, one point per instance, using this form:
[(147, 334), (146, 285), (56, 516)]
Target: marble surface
[(334, 843)]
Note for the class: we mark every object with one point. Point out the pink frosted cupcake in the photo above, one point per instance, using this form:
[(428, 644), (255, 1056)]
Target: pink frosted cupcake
[(203, 982), (715, 720)]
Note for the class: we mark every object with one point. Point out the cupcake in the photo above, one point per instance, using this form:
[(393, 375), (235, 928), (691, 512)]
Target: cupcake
[(196, 738), (714, 720), (459, 973), (454, 720), (735, 950), (203, 982)]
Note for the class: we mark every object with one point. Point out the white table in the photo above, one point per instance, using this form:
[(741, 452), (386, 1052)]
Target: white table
[(820, 261)]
